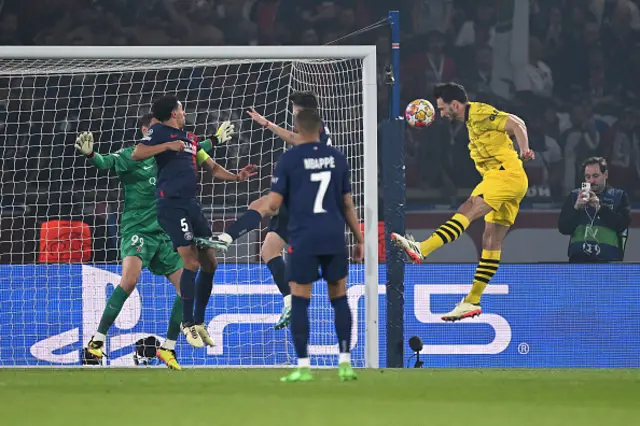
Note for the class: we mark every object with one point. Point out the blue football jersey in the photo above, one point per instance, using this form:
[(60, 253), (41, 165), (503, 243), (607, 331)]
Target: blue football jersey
[(325, 135), (177, 170), (313, 178)]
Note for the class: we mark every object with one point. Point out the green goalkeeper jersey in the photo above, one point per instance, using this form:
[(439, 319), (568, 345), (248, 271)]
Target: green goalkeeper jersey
[(139, 182)]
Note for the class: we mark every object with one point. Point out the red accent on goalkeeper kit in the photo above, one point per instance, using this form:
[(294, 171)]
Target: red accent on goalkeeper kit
[(64, 241)]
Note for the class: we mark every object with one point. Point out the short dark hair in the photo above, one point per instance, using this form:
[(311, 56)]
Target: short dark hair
[(601, 161), (163, 107), (450, 92), (304, 99), (308, 121), (145, 119)]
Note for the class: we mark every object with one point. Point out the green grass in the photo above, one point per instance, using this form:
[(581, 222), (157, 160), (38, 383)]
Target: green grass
[(381, 397)]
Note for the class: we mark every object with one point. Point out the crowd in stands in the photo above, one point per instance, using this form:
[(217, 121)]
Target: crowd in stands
[(579, 95)]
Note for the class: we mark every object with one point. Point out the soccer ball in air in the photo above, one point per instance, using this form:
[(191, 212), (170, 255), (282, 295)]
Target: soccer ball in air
[(419, 113)]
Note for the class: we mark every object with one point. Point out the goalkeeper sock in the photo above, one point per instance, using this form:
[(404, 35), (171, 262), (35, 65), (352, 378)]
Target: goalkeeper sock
[(300, 325), (487, 267), (187, 293), (277, 267), (174, 320), (112, 310), (204, 284), (248, 221), (450, 231), (343, 320)]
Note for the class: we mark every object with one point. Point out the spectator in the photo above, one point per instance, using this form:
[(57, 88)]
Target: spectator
[(546, 169), (580, 141), (428, 15), (539, 76), (478, 77), (596, 217), (485, 20), (9, 29), (604, 91), (430, 68), (618, 146)]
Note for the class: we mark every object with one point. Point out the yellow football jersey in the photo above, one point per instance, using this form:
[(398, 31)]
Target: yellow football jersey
[(489, 145)]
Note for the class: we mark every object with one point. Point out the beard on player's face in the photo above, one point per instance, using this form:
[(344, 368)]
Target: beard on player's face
[(457, 110), (449, 112)]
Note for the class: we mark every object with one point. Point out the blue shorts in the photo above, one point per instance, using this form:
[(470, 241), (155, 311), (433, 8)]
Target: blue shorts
[(182, 220), (303, 268), (280, 223)]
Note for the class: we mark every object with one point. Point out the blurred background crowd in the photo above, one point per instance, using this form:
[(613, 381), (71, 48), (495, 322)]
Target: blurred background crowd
[(577, 89), (584, 56)]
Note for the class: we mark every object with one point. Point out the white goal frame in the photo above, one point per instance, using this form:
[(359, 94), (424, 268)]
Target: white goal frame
[(369, 89)]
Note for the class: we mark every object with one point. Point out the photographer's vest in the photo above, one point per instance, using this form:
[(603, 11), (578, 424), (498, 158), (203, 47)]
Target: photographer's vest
[(591, 238)]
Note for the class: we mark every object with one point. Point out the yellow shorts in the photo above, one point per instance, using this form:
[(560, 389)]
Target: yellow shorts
[(502, 190)]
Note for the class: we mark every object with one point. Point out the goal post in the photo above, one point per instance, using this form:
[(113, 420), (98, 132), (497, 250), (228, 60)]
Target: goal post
[(55, 92)]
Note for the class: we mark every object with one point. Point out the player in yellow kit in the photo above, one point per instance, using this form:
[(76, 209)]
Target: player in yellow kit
[(497, 197)]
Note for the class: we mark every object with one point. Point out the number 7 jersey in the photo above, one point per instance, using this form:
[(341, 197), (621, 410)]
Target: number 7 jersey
[(313, 179)]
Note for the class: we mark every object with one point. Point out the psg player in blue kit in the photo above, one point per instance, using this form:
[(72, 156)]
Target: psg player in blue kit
[(312, 181), (179, 212), (277, 234)]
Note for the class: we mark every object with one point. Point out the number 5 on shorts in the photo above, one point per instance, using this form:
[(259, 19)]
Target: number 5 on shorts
[(184, 225)]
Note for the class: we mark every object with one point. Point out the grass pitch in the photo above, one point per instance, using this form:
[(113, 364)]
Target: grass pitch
[(380, 397)]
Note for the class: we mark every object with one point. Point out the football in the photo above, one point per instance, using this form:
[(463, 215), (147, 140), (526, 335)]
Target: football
[(419, 113)]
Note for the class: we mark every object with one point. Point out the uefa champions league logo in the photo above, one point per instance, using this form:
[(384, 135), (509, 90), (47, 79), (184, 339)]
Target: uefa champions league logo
[(94, 300), (95, 282)]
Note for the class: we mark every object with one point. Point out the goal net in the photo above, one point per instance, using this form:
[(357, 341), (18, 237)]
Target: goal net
[(60, 240)]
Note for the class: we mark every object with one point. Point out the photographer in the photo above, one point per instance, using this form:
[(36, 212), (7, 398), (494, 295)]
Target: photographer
[(596, 217)]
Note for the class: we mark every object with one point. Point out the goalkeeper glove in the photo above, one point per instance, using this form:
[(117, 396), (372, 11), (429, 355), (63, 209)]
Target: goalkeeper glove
[(84, 143), (223, 135), (224, 132)]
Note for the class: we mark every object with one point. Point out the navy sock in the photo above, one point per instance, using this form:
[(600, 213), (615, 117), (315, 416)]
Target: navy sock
[(300, 325), (204, 284), (276, 266), (187, 292), (342, 315), (248, 221)]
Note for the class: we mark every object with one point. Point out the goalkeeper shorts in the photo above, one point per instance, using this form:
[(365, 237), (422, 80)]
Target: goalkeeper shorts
[(155, 250)]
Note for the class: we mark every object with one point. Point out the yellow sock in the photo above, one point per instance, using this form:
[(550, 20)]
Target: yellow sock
[(487, 267), (450, 231)]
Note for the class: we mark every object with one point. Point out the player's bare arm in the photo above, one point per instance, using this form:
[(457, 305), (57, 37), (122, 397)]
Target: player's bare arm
[(353, 223), (221, 173), (288, 136), (142, 152), (515, 126)]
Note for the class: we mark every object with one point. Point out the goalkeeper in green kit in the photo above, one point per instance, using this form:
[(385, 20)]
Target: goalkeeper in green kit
[(144, 244)]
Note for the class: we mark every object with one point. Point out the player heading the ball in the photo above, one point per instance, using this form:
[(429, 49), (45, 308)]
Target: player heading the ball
[(497, 197), (179, 212), (312, 180)]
